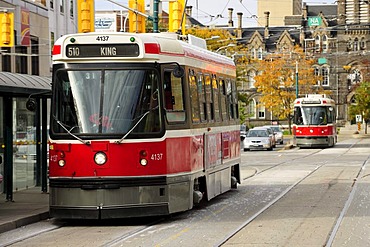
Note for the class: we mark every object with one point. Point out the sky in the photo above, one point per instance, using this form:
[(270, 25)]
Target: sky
[(211, 11)]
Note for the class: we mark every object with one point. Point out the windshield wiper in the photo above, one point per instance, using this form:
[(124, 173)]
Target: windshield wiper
[(133, 127), (69, 132)]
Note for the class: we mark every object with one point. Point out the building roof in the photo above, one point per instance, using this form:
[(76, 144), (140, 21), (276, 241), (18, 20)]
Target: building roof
[(23, 83), (329, 11)]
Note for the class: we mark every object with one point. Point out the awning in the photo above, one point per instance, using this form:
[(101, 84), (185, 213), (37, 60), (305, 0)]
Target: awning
[(23, 83)]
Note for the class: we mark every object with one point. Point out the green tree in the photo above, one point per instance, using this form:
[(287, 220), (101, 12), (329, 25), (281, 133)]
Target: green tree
[(362, 103), (277, 80)]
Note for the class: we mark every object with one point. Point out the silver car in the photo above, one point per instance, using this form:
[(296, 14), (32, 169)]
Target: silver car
[(271, 133), (258, 139), (278, 133)]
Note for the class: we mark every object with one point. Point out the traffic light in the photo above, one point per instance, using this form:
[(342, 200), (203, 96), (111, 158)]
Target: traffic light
[(7, 29), (85, 16), (176, 10), (136, 21)]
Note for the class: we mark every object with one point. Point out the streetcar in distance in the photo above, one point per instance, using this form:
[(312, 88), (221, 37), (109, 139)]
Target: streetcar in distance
[(141, 125), (314, 123)]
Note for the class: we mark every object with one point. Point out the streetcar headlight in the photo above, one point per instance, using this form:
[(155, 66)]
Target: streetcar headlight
[(143, 162), (100, 158), (143, 159), (61, 163)]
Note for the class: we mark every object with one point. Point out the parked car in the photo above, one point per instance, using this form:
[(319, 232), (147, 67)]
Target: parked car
[(243, 131), (258, 139), (278, 133), (271, 133)]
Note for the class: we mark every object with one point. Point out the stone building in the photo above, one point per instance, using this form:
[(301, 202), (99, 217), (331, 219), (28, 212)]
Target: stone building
[(336, 36)]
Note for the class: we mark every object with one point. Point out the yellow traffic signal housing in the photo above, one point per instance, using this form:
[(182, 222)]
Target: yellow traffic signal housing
[(85, 16), (7, 29), (136, 21), (176, 10)]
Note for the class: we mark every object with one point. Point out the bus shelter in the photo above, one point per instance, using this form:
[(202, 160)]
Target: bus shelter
[(23, 131)]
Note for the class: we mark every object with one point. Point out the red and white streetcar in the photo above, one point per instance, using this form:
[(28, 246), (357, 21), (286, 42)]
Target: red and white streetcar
[(141, 125), (314, 123)]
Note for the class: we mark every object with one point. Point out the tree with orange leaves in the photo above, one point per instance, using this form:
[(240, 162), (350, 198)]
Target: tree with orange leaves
[(276, 81)]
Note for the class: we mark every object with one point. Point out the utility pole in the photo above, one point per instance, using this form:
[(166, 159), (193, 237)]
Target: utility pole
[(296, 79)]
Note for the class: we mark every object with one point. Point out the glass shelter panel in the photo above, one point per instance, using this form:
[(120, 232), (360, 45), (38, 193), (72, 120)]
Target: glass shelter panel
[(24, 146)]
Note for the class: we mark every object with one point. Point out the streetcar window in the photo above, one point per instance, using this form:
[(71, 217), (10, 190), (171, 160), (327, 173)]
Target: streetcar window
[(106, 101), (202, 99), (223, 100), (216, 98), (298, 117), (230, 100), (174, 98), (209, 97), (235, 100), (331, 115), (194, 99)]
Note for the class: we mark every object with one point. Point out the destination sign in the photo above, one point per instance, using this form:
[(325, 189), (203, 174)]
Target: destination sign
[(102, 50)]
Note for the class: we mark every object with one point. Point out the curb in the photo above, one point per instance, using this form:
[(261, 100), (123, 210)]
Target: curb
[(23, 221)]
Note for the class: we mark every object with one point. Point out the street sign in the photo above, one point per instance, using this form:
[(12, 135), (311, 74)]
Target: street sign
[(314, 21), (358, 118)]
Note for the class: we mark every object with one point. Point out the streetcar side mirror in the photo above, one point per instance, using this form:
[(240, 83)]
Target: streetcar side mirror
[(178, 72), (31, 104)]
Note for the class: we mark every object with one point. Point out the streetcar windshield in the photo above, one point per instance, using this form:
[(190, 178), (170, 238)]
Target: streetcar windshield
[(106, 101), (313, 115)]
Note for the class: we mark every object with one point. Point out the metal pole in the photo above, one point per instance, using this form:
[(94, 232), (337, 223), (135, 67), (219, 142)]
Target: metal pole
[(8, 152), (296, 79), (44, 140), (155, 16)]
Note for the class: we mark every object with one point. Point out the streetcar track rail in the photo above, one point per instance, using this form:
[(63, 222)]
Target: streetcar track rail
[(291, 187), (349, 201), (150, 225)]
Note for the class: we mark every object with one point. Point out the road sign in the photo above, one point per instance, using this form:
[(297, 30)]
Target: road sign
[(358, 118), (314, 21)]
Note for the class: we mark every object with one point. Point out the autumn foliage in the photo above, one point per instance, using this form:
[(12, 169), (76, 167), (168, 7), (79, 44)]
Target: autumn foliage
[(276, 81)]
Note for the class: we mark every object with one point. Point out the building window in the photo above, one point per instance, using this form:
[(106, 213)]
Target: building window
[(355, 77), (21, 65), (325, 44), (251, 74), (325, 76), (35, 56), (252, 109), (260, 54), (318, 44), (261, 111), (323, 73), (6, 60), (253, 53), (349, 45), (363, 43), (61, 6), (355, 44), (71, 4)]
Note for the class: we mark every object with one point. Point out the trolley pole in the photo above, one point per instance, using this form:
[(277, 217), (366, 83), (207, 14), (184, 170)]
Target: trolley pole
[(296, 79)]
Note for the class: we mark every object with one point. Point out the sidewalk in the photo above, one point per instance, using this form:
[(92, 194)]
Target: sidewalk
[(28, 206)]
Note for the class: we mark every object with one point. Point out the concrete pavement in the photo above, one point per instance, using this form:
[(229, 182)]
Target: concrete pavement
[(32, 205)]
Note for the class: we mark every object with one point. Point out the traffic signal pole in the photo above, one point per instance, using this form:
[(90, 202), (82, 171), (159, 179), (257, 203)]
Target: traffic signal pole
[(155, 16)]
